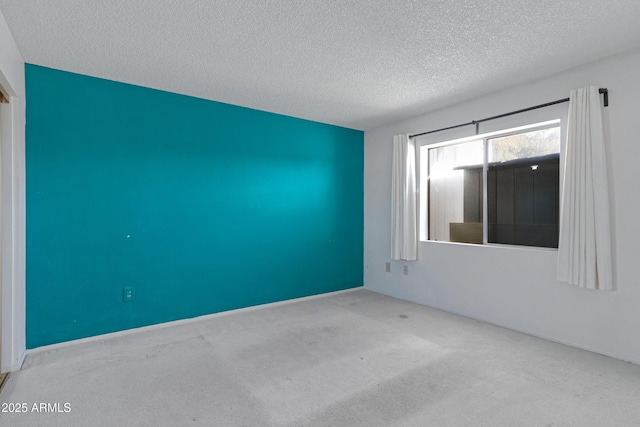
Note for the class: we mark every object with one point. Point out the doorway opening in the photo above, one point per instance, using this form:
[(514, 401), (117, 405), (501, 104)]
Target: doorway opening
[(4, 99)]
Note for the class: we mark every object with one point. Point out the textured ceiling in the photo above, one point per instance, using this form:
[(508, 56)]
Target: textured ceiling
[(352, 63)]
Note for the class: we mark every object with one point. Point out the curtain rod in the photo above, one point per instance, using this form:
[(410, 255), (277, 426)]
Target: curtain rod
[(605, 91)]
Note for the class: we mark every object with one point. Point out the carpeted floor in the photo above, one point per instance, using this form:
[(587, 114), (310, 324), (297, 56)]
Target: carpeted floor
[(351, 359)]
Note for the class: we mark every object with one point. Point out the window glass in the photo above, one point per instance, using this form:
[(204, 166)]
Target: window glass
[(521, 188), (449, 208), (524, 145)]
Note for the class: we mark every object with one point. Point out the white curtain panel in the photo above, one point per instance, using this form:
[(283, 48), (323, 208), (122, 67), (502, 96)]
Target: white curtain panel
[(584, 248), (404, 207)]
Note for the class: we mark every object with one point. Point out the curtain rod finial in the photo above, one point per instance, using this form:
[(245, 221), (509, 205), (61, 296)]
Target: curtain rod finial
[(605, 91)]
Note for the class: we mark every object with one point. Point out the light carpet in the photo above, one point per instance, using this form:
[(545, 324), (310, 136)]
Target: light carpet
[(350, 359)]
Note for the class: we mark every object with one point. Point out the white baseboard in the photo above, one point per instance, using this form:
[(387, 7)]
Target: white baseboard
[(179, 322)]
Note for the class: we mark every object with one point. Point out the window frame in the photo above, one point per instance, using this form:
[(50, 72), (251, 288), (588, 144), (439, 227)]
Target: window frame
[(424, 187)]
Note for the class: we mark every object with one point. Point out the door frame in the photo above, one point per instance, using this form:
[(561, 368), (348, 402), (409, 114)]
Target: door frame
[(12, 223)]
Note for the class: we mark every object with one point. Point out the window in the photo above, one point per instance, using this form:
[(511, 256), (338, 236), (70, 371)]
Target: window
[(500, 188)]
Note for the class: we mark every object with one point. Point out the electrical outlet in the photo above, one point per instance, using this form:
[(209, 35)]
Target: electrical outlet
[(128, 294), (388, 267), (405, 270)]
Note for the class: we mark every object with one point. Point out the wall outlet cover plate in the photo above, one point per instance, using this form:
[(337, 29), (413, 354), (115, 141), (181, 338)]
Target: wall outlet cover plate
[(128, 294)]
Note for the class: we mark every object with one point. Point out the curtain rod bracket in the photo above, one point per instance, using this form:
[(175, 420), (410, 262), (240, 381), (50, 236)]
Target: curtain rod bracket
[(605, 91)]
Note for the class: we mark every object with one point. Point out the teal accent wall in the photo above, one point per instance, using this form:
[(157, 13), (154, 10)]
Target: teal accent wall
[(199, 205)]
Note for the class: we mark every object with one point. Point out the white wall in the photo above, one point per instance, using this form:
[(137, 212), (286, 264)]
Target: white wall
[(13, 203), (516, 287)]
